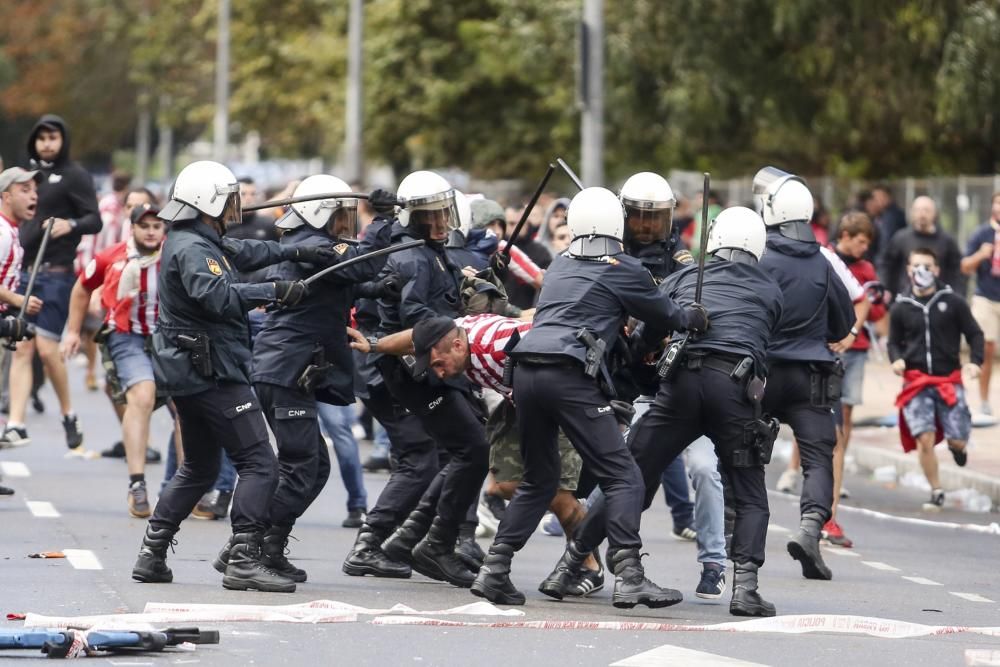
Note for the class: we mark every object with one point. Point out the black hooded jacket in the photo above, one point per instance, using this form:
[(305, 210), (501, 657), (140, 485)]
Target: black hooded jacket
[(65, 190)]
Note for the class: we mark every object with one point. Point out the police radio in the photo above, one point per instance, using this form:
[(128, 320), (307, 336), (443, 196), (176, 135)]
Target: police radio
[(671, 358)]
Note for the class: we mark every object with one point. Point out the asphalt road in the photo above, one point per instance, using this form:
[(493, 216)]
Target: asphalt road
[(927, 574)]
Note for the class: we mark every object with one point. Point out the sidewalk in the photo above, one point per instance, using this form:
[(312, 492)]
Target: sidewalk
[(874, 447)]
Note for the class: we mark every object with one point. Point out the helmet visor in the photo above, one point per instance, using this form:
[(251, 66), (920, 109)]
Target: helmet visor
[(232, 214), (344, 221), (644, 226), (435, 221), (765, 183)]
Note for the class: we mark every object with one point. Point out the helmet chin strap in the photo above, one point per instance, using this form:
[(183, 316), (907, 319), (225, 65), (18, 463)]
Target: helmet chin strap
[(736, 255), (799, 230), (595, 246)]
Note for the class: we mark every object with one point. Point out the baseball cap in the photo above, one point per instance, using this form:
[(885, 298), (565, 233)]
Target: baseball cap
[(426, 334), (16, 175), (145, 209)]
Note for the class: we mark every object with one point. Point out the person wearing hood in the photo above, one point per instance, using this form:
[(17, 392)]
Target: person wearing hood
[(554, 218), (68, 202), (804, 382)]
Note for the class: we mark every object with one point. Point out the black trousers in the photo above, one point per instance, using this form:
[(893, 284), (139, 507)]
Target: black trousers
[(787, 399), (454, 419), (415, 456), (303, 458), (552, 396), (227, 417), (695, 403)]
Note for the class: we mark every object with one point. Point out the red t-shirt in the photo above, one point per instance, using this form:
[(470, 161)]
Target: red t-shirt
[(136, 314)]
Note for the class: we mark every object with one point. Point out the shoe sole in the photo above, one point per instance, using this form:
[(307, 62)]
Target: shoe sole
[(554, 591), (495, 596), (632, 600), (148, 578), (809, 568), (361, 570), (712, 596), (430, 569), (235, 584), (757, 612), (14, 444)]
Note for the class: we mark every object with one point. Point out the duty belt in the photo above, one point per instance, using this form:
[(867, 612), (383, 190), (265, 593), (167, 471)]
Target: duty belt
[(725, 364), (548, 360)]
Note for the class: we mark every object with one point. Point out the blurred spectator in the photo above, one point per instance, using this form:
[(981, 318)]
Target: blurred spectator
[(923, 232), (67, 202), (255, 225), (868, 204), (820, 223), (554, 217), (982, 259), (561, 239), (889, 219), (520, 293)]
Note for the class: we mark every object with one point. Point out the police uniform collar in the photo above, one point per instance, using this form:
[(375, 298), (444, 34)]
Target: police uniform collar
[(799, 230), (594, 247), (203, 229)]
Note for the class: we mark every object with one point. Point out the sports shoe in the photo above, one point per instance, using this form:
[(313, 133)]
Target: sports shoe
[(74, 438), (37, 404), (14, 436), (834, 534), (588, 583), (960, 455), (551, 526), (844, 493), (6, 490), (138, 501), (713, 582), (686, 533), (788, 481), (355, 519), (936, 502), (213, 505), (152, 456), (115, 451)]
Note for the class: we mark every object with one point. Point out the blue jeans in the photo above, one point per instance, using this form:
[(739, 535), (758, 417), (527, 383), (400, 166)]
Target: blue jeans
[(337, 421), (709, 507)]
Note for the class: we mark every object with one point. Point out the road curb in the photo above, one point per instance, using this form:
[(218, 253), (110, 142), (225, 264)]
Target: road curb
[(952, 477)]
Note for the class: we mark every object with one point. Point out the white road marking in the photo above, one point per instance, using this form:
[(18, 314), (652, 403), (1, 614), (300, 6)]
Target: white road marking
[(922, 581), (775, 528), (83, 559), (848, 553), (971, 597), (14, 469), (982, 658), (876, 565), (675, 655), (42, 509)]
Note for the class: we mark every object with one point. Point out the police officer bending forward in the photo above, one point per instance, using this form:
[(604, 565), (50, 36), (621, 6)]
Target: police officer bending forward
[(202, 361), (587, 295)]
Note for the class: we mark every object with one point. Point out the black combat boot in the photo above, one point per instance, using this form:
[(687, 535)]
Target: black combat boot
[(151, 566), (246, 570), (804, 547), (469, 551), (435, 557), (221, 561), (493, 581), (399, 545), (631, 585), (367, 557), (566, 572), (746, 600), (275, 547)]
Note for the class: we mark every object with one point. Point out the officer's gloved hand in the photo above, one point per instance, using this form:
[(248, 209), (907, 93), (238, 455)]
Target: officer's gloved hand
[(16, 330), (389, 288), (624, 412), (499, 262), (312, 254), (383, 201), (697, 318), (287, 293)]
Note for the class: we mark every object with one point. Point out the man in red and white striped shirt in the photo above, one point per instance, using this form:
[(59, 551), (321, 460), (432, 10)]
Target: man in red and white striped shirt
[(127, 271)]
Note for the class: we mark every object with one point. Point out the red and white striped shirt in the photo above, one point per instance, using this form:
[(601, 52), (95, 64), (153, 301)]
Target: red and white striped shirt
[(11, 254), (521, 265), (136, 313), (488, 336)]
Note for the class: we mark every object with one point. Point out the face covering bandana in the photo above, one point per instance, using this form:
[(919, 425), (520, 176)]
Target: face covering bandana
[(922, 277)]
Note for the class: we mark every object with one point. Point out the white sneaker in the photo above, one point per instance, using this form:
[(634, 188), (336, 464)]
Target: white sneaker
[(788, 481), (984, 417), (14, 436)]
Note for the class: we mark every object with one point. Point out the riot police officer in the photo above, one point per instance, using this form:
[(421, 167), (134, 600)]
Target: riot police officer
[(706, 392), (587, 295), (301, 355), (804, 383), (445, 410), (202, 360)]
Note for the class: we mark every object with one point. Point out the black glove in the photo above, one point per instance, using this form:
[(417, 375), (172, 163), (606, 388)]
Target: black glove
[(312, 254), (624, 412), (16, 330), (383, 201), (697, 318), (389, 288), (499, 262), (287, 293)]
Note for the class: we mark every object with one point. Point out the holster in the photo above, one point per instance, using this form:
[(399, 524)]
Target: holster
[(826, 382), (595, 366), (314, 371), (199, 347), (509, 362), (758, 435)]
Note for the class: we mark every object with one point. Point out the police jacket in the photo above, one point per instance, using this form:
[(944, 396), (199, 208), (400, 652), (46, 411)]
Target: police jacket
[(431, 283), (597, 294), (65, 190), (314, 331), (817, 308), (744, 306), (926, 331), (199, 294)]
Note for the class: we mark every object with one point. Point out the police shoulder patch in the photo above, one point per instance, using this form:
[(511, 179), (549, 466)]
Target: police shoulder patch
[(213, 266), (341, 248)]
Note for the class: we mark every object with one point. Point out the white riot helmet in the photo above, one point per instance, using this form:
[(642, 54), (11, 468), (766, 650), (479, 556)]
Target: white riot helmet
[(594, 217), (649, 209), (343, 212), (204, 187), (781, 197), (428, 200), (737, 228), (464, 206)]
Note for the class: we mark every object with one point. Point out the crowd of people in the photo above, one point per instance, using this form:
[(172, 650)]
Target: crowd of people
[(494, 354)]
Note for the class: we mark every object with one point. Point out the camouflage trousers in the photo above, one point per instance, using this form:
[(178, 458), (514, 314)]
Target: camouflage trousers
[(506, 462)]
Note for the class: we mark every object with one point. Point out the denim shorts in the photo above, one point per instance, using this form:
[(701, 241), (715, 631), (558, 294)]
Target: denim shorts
[(53, 288), (927, 408), (854, 376), (132, 363)]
